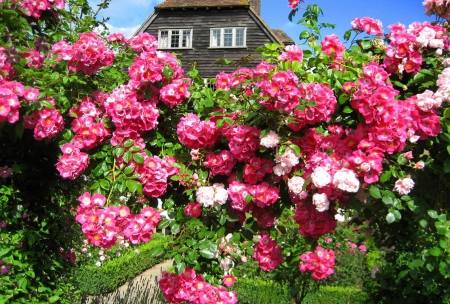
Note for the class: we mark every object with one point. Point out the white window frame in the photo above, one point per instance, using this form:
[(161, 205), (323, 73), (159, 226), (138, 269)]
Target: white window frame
[(221, 43), (168, 44)]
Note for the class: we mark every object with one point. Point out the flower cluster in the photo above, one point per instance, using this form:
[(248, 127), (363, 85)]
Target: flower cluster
[(404, 52), (87, 55), (313, 222), (46, 122), (102, 226), (10, 91), (214, 195), (368, 25), (34, 58), (267, 253), (35, 8), (72, 162), (90, 131), (190, 287), (6, 68), (438, 7), (320, 263), (196, 134)]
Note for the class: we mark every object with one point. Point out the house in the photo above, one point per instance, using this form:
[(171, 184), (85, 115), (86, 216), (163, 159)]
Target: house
[(203, 31)]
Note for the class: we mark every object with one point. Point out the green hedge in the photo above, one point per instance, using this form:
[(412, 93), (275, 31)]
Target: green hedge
[(252, 291), (256, 291), (93, 280)]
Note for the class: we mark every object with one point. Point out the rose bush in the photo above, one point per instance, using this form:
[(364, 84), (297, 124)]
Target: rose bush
[(314, 131)]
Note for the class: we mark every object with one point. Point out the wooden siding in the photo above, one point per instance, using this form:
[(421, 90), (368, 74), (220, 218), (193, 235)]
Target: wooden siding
[(201, 21)]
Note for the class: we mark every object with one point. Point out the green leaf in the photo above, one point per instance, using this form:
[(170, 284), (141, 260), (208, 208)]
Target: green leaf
[(295, 148), (157, 251), (163, 224), (128, 170), (207, 253), (423, 223), (347, 110), (105, 184), (442, 217), (128, 143), (385, 176), (347, 35), (433, 213), (138, 158), (416, 263), (402, 274), (375, 192), (443, 244), (387, 200), (430, 267), (127, 157), (444, 269), (132, 185), (390, 218), (435, 251), (4, 251), (119, 151), (175, 227)]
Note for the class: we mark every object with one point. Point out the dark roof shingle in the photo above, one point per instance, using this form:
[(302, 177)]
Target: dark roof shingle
[(201, 3), (282, 36)]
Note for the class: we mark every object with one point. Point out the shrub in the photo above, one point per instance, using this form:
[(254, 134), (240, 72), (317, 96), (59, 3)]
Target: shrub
[(260, 291), (336, 295), (93, 280)]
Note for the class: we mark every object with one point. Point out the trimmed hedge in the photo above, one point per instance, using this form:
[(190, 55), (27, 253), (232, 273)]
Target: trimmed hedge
[(257, 291), (93, 280)]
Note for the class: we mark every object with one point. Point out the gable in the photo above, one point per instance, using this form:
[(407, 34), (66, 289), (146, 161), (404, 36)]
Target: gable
[(199, 22)]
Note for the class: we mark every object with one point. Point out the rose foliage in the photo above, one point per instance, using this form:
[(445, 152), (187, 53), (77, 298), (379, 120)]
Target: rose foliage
[(149, 146)]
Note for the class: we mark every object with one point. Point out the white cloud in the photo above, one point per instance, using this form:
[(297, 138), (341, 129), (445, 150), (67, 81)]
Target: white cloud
[(127, 31)]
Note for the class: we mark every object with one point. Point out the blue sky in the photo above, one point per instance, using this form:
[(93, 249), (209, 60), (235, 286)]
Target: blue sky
[(127, 16)]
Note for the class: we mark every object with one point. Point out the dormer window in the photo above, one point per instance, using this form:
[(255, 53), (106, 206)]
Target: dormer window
[(228, 37), (175, 38)]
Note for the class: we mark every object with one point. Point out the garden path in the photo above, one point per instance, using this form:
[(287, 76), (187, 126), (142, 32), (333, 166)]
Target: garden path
[(141, 289)]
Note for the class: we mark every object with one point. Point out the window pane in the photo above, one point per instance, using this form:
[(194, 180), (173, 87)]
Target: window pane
[(228, 37), (240, 37), (186, 38), (175, 39), (163, 39), (215, 41)]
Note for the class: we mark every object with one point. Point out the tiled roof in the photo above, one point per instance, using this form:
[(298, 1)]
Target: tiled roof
[(282, 36), (201, 3)]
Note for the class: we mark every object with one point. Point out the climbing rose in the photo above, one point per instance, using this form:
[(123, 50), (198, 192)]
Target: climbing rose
[(320, 263), (346, 180), (404, 186)]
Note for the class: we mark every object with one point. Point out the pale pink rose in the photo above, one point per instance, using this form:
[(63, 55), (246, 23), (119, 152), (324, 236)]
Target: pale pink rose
[(346, 180), (295, 184), (220, 194), (205, 196), (271, 140), (320, 177), (419, 165), (288, 159), (280, 170), (429, 100), (320, 200), (404, 186)]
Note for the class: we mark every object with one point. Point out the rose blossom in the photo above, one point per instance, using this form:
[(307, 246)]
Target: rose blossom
[(271, 140), (346, 180), (320, 200), (321, 177), (295, 184), (205, 196), (404, 186)]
